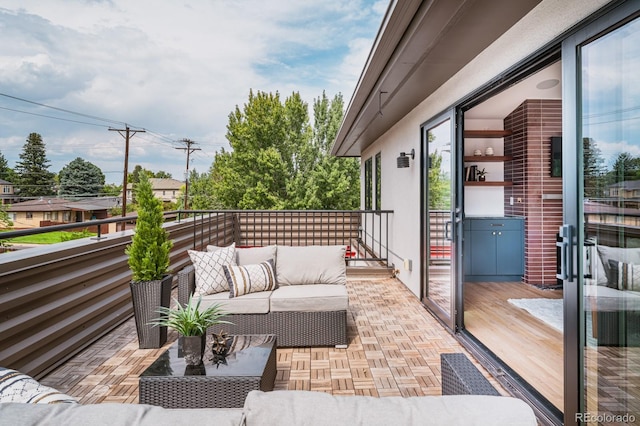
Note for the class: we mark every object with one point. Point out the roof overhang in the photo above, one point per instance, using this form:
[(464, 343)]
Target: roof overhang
[(420, 45)]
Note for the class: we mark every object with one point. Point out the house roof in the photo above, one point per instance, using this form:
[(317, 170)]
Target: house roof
[(40, 205), (5, 182), (627, 185), (420, 45), (159, 184), (61, 204)]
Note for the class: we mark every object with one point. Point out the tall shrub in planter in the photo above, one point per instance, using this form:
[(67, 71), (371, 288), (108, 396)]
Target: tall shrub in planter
[(149, 263)]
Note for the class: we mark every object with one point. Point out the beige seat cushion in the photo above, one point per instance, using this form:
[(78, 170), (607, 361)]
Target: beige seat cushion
[(310, 298), (252, 303), (318, 408), (311, 265)]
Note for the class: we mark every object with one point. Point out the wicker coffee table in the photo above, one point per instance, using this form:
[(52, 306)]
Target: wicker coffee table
[(250, 365)]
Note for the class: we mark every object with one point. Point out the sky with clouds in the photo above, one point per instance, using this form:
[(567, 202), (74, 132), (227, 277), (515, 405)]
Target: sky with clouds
[(174, 68)]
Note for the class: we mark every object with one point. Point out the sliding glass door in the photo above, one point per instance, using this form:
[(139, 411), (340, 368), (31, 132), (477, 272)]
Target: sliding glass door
[(601, 244), (441, 218)]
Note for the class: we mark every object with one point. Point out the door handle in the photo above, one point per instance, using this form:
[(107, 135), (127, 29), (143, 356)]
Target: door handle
[(447, 230), (566, 253)]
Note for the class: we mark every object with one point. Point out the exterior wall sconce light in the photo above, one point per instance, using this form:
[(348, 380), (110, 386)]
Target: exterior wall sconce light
[(403, 159)]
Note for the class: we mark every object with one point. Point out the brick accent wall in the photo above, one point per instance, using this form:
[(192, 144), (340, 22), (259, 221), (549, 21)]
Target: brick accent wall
[(533, 123)]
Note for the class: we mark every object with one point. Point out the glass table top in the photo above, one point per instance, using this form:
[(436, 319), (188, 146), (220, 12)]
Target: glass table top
[(247, 356)]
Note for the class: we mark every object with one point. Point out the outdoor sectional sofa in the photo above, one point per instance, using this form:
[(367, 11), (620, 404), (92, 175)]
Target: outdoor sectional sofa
[(27, 402), (307, 307)]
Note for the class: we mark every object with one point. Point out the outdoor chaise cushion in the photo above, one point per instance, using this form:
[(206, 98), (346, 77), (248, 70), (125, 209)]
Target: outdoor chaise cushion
[(210, 278), (311, 265), (246, 279), (252, 303), (310, 298), (319, 408)]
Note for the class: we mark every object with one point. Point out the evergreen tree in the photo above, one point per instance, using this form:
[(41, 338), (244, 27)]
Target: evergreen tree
[(6, 173), (81, 178), (595, 176), (150, 245), (33, 177)]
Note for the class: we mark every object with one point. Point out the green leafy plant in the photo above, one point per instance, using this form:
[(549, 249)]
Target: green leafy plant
[(150, 246), (189, 320)]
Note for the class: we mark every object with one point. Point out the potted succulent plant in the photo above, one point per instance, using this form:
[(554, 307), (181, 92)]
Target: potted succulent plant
[(191, 323), (149, 263), (482, 175)]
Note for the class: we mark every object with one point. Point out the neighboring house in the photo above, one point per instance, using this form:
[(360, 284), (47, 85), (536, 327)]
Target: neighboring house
[(167, 190), (628, 191), (7, 192), (510, 88), (53, 211)]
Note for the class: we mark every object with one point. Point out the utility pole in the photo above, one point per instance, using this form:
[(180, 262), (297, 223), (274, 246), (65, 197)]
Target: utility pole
[(128, 133), (188, 143)]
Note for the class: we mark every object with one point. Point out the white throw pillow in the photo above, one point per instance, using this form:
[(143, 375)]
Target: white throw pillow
[(311, 265), (245, 279), (210, 278), (18, 387)]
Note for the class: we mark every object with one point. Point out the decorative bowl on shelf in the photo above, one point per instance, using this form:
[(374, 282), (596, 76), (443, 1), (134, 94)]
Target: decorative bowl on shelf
[(488, 151), (477, 152)]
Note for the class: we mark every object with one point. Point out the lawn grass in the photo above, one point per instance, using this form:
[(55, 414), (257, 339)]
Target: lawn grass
[(48, 238)]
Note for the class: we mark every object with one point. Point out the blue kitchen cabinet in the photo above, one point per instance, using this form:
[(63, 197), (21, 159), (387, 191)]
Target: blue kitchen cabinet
[(493, 249)]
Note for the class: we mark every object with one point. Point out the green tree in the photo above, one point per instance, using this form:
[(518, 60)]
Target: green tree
[(162, 175), (5, 220), (200, 190), (81, 178), (6, 173), (111, 189), (323, 181), (279, 161), (265, 136), (33, 177), (595, 176)]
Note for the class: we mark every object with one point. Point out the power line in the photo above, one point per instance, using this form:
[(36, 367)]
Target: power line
[(54, 118), (62, 109)]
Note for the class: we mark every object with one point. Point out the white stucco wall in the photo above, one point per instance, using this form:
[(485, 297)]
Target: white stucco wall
[(401, 187)]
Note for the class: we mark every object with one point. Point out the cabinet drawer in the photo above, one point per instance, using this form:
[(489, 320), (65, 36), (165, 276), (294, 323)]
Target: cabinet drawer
[(497, 224)]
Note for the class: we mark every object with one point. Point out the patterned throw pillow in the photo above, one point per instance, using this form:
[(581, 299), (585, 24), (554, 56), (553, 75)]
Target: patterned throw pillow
[(250, 278), (210, 278), (625, 276), (18, 387)]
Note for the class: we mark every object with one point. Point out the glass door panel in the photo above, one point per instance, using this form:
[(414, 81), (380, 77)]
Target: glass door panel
[(609, 129), (440, 220)]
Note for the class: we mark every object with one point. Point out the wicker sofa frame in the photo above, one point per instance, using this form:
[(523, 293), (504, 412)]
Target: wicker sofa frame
[(299, 329)]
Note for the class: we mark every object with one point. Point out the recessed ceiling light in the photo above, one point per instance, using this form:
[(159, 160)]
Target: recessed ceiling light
[(548, 84)]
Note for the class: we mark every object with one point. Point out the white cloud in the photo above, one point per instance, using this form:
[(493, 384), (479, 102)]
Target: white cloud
[(175, 68)]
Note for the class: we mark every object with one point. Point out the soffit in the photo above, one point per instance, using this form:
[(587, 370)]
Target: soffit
[(419, 46)]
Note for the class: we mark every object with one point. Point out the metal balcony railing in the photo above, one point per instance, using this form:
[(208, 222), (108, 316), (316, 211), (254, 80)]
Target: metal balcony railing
[(57, 299)]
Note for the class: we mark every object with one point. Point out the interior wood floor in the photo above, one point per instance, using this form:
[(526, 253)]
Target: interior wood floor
[(394, 350), (528, 345)]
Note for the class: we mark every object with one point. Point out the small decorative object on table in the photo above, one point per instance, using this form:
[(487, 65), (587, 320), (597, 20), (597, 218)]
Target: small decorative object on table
[(192, 324), (220, 347), (482, 175)]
